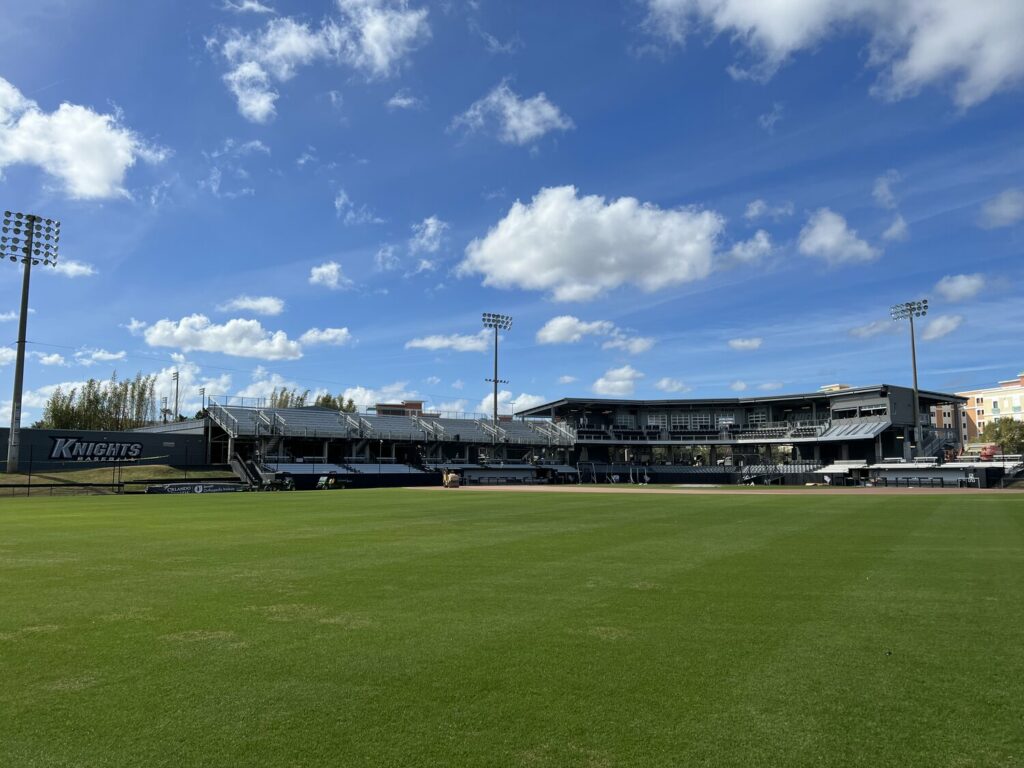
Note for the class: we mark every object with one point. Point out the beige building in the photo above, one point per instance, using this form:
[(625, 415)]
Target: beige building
[(1005, 401)]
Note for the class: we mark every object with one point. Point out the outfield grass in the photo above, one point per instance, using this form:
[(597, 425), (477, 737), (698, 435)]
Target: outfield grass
[(425, 628)]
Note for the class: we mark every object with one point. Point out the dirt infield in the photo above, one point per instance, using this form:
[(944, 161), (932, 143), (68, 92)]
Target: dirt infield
[(739, 491)]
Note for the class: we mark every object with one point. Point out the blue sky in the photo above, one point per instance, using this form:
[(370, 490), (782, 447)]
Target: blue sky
[(669, 196)]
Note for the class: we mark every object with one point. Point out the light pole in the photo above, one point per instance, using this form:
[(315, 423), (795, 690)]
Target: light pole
[(202, 394), (908, 310), (175, 377), (498, 323), (29, 239)]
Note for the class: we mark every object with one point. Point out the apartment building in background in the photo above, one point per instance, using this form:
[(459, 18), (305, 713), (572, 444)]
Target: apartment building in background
[(1004, 401)]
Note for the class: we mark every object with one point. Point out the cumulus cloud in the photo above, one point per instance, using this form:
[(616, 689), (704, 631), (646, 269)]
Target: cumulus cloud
[(567, 379), (247, 6), (566, 329), (7, 317), (350, 213), (753, 250), (7, 355), (426, 236), (336, 337), (365, 397), (403, 99), (53, 359), (746, 345), (671, 385), (960, 287), (72, 268), (264, 383), (260, 305), (237, 337), (507, 404), (1003, 210), (371, 36), (898, 230), (827, 236), (456, 342), (519, 121), (738, 386), (872, 329), (943, 325), (329, 275), (618, 382), (975, 46), (87, 152), (757, 209), (92, 356), (580, 247)]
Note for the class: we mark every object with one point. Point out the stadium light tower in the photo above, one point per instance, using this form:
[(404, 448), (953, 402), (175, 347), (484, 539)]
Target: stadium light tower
[(498, 323), (908, 310), (29, 239)]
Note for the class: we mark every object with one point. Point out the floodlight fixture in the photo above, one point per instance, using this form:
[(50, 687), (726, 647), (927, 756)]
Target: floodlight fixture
[(498, 323), (32, 240), (908, 310)]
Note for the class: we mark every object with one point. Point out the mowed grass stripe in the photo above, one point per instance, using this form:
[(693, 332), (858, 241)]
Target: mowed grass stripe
[(412, 628)]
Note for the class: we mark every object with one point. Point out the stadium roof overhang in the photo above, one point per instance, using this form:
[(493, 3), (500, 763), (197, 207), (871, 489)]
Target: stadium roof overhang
[(568, 404)]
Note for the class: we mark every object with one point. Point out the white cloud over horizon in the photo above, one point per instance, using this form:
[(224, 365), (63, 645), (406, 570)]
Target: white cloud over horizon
[(89, 153), (617, 382), (236, 337), (580, 247)]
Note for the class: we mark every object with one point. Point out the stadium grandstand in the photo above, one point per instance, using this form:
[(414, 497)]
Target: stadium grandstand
[(839, 435)]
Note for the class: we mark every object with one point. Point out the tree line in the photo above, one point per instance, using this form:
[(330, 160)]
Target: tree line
[(292, 398), (104, 405)]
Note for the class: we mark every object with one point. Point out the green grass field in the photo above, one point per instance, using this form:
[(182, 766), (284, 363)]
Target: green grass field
[(425, 628)]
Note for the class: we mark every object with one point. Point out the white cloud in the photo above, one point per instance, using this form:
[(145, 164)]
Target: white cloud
[(364, 397), (6, 317), (72, 268), (943, 325), (960, 287), (872, 329), (372, 36), (92, 356), (618, 382), (458, 384), (7, 355), (671, 385), (580, 247), (898, 230), (507, 404), (758, 208), (264, 383), (753, 250), (336, 337), (1003, 210), (247, 6), (913, 43), (351, 214), (634, 345), (52, 359), (746, 345), (135, 327), (426, 236), (88, 153), (738, 386), (237, 337), (260, 305), (329, 275), (433, 380), (567, 379), (769, 119), (770, 386), (566, 329), (403, 99), (520, 121), (826, 236), (882, 191), (386, 260), (455, 342)]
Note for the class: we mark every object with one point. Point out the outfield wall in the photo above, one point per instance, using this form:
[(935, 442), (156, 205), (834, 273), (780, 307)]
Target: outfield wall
[(58, 449)]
